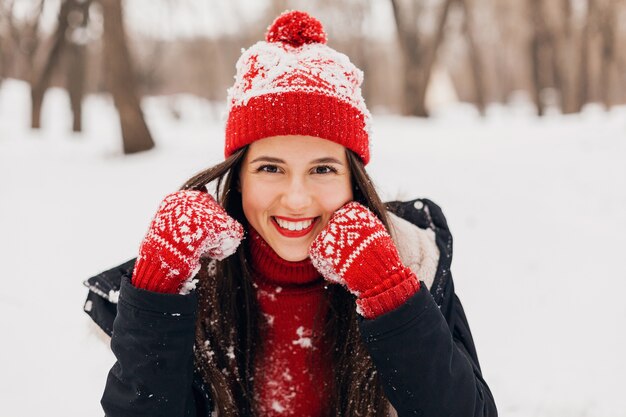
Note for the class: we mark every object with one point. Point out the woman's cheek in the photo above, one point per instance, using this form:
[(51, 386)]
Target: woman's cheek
[(256, 198), (335, 195)]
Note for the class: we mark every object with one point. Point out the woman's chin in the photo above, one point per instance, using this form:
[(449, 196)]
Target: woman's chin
[(292, 255)]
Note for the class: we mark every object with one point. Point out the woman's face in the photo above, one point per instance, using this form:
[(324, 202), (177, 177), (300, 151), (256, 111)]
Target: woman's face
[(290, 187)]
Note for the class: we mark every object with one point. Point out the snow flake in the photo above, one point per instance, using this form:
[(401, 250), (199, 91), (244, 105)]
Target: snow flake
[(188, 285), (265, 294), (230, 352), (276, 406), (269, 318), (114, 296), (304, 338)]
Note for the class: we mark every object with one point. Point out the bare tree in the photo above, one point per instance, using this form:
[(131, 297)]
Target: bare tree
[(121, 80), (564, 46), (76, 60), (539, 39), (583, 62), (418, 51), (5, 10), (20, 40), (502, 80), (608, 56), (42, 75), (474, 55), (620, 54)]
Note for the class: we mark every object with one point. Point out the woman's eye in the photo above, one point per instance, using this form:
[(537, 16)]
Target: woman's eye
[(272, 169), (324, 169)]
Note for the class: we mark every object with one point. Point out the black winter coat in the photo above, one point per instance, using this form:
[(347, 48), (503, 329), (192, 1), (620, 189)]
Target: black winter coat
[(423, 350)]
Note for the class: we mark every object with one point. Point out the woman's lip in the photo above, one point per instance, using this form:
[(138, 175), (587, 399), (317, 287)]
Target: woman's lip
[(292, 219), (294, 233)]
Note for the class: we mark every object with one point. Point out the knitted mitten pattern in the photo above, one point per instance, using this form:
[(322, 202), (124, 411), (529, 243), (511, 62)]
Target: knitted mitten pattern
[(355, 250), (187, 225)]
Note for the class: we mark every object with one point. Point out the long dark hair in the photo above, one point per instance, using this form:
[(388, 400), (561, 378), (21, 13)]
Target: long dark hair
[(227, 328)]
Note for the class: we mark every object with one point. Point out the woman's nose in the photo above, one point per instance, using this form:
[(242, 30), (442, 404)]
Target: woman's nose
[(297, 196)]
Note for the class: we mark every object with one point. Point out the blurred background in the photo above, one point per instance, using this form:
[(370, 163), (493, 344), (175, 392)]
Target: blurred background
[(510, 114), (558, 54)]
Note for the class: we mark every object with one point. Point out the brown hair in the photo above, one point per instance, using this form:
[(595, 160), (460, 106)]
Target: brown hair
[(227, 328)]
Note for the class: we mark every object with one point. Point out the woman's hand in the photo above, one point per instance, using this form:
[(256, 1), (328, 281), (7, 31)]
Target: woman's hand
[(187, 226), (355, 250)]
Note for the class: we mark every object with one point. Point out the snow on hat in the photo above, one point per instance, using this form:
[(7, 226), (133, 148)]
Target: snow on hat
[(294, 84)]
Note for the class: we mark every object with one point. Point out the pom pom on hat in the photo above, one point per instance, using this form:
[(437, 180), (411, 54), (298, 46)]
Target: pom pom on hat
[(296, 29), (293, 84)]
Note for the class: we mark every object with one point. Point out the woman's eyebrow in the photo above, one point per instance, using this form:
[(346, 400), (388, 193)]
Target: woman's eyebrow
[(268, 159), (327, 160)]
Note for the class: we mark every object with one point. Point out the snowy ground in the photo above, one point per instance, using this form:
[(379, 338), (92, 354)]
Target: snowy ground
[(536, 208)]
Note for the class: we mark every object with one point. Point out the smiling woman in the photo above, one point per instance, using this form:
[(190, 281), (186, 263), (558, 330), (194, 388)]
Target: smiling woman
[(232, 307)]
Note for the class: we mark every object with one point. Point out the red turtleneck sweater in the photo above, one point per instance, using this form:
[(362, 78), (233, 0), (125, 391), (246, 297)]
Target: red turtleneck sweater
[(292, 369)]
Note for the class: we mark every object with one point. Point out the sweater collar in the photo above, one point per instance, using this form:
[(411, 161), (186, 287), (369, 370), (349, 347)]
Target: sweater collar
[(270, 267)]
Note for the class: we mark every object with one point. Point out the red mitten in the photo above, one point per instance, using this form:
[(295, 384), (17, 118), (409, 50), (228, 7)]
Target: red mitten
[(187, 225), (355, 250)]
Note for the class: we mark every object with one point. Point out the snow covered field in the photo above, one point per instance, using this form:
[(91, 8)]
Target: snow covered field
[(536, 208)]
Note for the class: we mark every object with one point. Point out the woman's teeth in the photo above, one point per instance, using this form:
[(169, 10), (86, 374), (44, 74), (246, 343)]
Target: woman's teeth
[(294, 225)]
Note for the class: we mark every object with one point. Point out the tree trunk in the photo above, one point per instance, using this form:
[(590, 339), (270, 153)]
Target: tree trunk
[(417, 59), (474, 54), (583, 64), (608, 53), (503, 80), (5, 10), (431, 53), (568, 67), (23, 40), (411, 54), (121, 80), (41, 78), (414, 100), (537, 42), (76, 62), (562, 44), (3, 59), (76, 82)]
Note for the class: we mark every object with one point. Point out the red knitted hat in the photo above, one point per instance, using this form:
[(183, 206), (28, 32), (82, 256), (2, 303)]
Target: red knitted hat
[(293, 84)]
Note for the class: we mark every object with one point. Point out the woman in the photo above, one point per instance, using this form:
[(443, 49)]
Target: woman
[(229, 307)]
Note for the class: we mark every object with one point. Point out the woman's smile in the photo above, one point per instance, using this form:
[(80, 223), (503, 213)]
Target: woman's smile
[(290, 227)]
